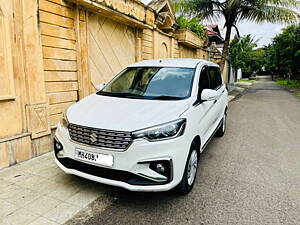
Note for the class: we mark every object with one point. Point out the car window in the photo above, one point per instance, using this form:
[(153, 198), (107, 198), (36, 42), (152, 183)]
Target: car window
[(215, 77), (203, 80), (151, 83)]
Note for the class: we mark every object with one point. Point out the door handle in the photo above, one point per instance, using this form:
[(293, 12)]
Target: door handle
[(215, 101)]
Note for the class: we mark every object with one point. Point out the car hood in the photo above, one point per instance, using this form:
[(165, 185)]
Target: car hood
[(124, 114)]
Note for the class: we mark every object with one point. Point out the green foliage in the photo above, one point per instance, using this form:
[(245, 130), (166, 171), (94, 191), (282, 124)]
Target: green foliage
[(192, 24), (297, 94), (292, 85), (243, 80), (233, 11), (283, 55), (243, 55), (257, 59), (289, 83)]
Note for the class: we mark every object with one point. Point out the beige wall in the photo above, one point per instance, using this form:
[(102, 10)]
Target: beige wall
[(10, 74), (112, 46), (24, 126), (57, 23), (187, 52), (147, 44), (51, 60)]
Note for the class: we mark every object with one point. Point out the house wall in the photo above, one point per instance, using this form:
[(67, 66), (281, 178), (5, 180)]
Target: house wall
[(147, 44), (24, 126), (176, 51), (51, 59), (112, 46), (10, 75), (187, 52), (58, 38)]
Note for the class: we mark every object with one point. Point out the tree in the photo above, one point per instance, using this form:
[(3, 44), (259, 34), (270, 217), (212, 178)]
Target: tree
[(283, 55), (243, 55), (257, 60), (233, 11)]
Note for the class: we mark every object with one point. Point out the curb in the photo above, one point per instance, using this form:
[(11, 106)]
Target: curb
[(236, 90)]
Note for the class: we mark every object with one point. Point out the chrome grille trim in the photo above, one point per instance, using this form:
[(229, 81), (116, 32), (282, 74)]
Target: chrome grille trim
[(118, 140)]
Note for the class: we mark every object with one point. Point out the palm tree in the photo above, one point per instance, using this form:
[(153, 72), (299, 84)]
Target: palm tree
[(240, 50), (233, 11)]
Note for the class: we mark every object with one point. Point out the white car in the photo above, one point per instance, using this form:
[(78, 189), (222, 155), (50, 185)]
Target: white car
[(145, 129)]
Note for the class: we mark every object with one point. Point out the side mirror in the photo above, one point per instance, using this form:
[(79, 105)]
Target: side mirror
[(100, 86), (209, 95)]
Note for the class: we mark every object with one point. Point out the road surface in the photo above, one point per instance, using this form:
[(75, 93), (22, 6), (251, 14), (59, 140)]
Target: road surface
[(250, 176)]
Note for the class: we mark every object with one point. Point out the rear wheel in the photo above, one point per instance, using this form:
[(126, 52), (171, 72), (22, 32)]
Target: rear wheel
[(190, 172), (221, 131)]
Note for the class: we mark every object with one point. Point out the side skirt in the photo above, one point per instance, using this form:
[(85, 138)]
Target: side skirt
[(213, 134)]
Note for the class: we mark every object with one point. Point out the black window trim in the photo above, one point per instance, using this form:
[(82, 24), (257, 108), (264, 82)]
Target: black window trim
[(199, 101), (221, 85)]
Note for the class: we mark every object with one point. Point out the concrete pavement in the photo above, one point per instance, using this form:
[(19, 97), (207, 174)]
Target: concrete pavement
[(37, 192), (250, 176)]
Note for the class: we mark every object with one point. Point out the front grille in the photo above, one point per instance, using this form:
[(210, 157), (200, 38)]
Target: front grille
[(99, 137)]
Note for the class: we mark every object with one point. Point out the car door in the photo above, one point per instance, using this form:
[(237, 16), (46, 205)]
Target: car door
[(216, 84), (203, 109)]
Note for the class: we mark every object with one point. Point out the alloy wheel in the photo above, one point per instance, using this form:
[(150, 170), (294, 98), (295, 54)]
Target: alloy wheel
[(192, 167)]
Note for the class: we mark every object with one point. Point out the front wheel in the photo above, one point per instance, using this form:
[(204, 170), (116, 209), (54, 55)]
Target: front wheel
[(221, 131), (190, 172)]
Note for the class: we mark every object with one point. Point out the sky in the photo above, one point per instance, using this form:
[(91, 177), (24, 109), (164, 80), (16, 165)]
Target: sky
[(263, 32)]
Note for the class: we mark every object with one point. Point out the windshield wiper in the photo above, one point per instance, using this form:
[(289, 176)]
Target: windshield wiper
[(166, 97), (120, 94), (129, 95)]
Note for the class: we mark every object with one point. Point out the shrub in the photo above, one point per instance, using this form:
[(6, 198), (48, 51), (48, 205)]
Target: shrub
[(192, 24)]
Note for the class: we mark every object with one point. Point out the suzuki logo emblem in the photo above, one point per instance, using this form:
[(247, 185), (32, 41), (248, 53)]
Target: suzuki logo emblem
[(93, 137)]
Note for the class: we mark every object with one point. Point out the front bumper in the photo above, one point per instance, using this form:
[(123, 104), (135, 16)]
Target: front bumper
[(131, 167)]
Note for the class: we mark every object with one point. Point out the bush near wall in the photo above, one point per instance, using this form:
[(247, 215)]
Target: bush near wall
[(192, 24)]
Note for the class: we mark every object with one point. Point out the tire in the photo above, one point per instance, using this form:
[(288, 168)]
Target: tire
[(190, 172), (221, 131)]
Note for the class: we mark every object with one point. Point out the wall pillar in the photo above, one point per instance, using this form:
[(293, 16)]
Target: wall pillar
[(84, 79), (36, 107), (138, 45)]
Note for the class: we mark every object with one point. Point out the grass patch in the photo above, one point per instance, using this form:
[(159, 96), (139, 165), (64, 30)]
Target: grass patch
[(243, 80), (292, 85), (297, 94), (289, 83)]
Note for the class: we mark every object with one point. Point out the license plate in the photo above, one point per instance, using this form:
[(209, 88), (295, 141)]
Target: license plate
[(101, 159)]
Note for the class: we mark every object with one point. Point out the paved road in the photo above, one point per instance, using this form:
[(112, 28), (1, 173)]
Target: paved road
[(250, 176)]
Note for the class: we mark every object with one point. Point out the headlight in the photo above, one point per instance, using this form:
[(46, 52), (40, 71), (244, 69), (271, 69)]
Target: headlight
[(64, 120), (164, 131)]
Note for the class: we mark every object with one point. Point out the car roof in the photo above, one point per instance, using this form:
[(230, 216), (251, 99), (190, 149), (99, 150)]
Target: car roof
[(179, 62)]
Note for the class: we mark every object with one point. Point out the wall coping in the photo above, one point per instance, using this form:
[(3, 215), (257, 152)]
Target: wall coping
[(189, 38), (131, 17)]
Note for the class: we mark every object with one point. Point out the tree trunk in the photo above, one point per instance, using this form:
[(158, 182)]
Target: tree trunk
[(225, 47)]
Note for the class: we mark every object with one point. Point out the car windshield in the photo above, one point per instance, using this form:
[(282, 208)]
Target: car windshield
[(161, 83)]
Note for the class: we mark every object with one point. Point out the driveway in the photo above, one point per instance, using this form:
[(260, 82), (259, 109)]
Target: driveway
[(250, 176)]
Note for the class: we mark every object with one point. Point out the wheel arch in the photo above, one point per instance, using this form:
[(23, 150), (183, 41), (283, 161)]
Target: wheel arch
[(197, 141)]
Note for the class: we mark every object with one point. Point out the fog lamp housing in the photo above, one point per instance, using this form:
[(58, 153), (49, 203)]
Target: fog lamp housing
[(58, 149), (163, 167)]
